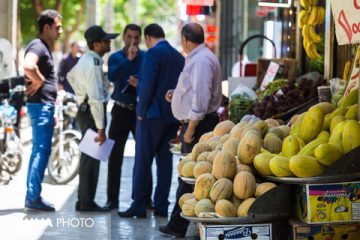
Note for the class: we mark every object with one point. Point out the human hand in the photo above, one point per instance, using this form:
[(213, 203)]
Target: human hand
[(133, 81), (139, 118), (189, 135), (132, 52), (33, 87), (101, 137), (169, 94)]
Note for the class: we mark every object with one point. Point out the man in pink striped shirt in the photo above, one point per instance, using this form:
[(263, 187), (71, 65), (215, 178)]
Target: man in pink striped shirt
[(194, 103)]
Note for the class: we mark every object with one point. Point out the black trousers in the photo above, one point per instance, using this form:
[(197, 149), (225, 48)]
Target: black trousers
[(89, 167), (123, 121), (177, 223)]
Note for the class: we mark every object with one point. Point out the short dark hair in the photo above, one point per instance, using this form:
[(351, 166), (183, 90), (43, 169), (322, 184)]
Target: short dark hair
[(154, 30), (193, 32), (132, 27), (47, 17)]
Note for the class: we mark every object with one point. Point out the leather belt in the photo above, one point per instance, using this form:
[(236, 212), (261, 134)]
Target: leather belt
[(124, 105), (186, 121)]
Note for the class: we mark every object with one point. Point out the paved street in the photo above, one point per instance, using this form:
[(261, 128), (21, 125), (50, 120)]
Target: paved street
[(65, 223)]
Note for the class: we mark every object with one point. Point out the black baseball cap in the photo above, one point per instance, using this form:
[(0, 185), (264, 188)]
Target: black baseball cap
[(95, 33)]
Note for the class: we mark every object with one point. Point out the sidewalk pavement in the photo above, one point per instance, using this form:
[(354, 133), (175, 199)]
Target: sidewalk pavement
[(66, 223)]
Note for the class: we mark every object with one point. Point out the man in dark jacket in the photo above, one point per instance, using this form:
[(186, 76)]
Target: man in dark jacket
[(156, 125)]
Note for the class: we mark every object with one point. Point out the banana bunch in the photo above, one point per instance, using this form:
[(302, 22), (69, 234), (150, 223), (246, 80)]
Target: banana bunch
[(309, 17)]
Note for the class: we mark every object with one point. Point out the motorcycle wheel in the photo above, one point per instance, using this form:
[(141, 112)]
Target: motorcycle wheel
[(64, 170), (12, 162)]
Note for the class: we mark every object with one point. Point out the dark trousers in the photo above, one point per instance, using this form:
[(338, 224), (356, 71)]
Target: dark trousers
[(123, 121), (177, 223), (152, 140), (89, 167)]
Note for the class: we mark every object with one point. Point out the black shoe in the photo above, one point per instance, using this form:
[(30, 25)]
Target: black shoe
[(160, 214), (111, 205), (168, 231), (38, 205), (150, 205), (92, 208), (130, 214)]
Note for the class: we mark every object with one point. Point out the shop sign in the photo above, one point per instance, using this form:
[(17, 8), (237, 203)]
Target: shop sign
[(274, 3), (270, 74), (353, 81), (347, 23), (199, 2)]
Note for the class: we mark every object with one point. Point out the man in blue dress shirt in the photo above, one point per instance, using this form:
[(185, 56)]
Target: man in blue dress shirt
[(124, 67), (156, 125)]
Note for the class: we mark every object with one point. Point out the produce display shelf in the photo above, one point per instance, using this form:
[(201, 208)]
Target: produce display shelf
[(345, 169), (232, 220), (314, 180)]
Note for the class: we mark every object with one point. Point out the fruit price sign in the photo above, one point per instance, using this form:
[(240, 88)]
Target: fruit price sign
[(347, 23)]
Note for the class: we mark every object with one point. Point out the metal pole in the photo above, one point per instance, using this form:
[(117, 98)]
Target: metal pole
[(329, 43)]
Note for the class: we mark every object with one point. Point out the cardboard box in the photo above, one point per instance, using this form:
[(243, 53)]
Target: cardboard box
[(240, 232), (326, 203), (328, 231)]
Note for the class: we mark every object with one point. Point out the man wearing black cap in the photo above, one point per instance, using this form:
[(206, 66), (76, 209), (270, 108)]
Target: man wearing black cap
[(90, 85)]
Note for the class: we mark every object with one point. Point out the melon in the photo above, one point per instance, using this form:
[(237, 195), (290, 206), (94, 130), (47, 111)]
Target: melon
[(223, 128), (263, 188), (225, 208), (185, 197), (202, 167), (203, 186), (203, 206), (244, 185), (244, 207), (224, 165), (188, 207), (222, 189)]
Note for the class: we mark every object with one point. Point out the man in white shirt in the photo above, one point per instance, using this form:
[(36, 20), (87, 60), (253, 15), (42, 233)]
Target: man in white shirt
[(90, 85), (194, 103)]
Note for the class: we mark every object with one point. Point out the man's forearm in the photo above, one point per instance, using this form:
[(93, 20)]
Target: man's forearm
[(33, 74)]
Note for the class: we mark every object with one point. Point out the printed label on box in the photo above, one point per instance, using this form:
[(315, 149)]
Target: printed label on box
[(241, 232)]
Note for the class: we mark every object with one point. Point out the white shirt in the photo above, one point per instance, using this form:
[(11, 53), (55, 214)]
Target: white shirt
[(88, 78), (198, 91)]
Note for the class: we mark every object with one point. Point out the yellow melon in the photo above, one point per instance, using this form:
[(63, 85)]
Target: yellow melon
[(305, 166)]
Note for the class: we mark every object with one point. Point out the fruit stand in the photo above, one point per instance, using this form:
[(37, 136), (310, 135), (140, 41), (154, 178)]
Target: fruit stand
[(292, 172)]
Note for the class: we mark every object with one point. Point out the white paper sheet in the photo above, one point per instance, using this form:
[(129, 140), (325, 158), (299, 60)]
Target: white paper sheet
[(93, 149)]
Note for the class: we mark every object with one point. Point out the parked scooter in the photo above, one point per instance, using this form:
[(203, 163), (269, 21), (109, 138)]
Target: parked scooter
[(10, 144), (63, 165)]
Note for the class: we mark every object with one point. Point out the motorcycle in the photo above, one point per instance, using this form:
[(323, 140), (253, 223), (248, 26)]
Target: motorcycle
[(64, 161), (10, 144)]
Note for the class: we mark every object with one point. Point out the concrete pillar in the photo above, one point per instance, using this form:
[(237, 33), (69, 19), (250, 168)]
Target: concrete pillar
[(8, 22)]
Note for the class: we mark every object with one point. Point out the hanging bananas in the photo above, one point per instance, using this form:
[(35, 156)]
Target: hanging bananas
[(308, 18)]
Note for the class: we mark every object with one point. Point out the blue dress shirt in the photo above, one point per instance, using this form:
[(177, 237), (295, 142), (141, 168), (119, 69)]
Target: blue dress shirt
[(120, 69)]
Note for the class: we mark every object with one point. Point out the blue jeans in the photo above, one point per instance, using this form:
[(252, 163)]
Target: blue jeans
[(42, 123)]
